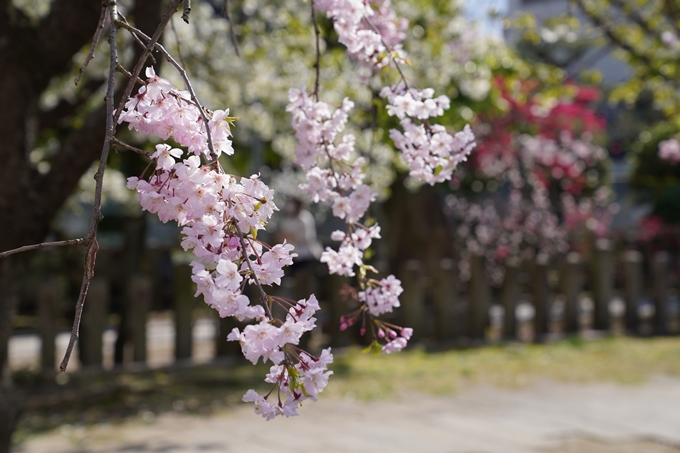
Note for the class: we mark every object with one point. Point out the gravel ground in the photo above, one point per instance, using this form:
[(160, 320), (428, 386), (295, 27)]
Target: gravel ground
[(547, 417)]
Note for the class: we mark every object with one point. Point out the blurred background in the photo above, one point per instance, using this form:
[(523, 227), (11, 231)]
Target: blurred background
[(552, 254)]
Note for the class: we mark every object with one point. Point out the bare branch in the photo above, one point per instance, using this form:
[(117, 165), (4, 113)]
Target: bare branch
[(92, 244), (179, 49), (44, 245), (317, 64), (122, 144), (232, 32), (95, 41)]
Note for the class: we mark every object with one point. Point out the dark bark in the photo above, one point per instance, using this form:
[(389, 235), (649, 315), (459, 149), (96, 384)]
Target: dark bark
[(32, 54)]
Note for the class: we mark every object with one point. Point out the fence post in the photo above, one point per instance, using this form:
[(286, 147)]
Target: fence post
[(445, 296), (478, 299), (660, 278), (572, 286), (49, 302), (139, 292), (338, 308), (183, 301), (540, 297), (509, 296), (604, 282), (413, 297), (91, 343), (632, 286)]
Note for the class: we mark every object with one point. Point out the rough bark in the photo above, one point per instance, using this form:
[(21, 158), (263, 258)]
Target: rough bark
[(32, 54)]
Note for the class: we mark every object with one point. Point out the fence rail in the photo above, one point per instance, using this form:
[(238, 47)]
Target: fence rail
[(608, 291)]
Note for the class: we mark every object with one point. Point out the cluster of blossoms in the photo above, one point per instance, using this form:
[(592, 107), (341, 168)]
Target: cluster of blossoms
[(369, 30), (220, 215), (334, 173), (431, 153), (669, 150)]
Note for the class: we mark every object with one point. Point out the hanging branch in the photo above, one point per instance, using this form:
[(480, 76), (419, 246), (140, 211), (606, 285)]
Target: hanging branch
[(232, 32), (95, 42), (44, 245), (111, 121)]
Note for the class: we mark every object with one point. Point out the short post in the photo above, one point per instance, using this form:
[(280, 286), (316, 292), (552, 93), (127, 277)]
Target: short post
[(478, 298), (445, 296), (660, 279), (95, 312), (184, 302), (509, 297), (139, 293), (673, 307), (572, 287), (413, 297), (49, 301), (604, 282), (585, 317), (496, 315), (632, 286), (525, 312), (556, 316), (540, 294), (646, 311), (617, 311)]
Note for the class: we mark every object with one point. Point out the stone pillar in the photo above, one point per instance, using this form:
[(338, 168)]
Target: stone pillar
[(50, 297), (572, 285), (139, 293), (478, 298), (541, 292), (660, 278), (633, 286), (604, 282), (412, 311), (183, 304), (94, 322), (509, 297), (445, 297)]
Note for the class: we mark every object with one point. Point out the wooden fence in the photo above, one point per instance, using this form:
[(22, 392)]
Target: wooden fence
[(609, 291)]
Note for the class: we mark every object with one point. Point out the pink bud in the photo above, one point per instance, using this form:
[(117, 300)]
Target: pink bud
[(343, 318), (381, 333), (343, 326), (351, 322), (362, 331), (393, 334)]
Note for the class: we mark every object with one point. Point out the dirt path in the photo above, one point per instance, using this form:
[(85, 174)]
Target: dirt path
[(548, 417)]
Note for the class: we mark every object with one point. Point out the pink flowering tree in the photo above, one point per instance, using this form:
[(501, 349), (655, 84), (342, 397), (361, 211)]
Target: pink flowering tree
[(221, 213), (537, 181)]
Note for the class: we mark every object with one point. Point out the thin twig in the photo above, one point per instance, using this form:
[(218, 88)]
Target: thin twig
[(127, 74), (115, 141), (317, 64), (179, 49), (142, 45), (95, 42), (44, 245), (232, 32), (92, 244)]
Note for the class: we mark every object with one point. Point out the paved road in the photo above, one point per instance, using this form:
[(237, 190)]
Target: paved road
[(547, 417)]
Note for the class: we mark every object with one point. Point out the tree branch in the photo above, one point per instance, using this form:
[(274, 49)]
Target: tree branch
[(44, 245)]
